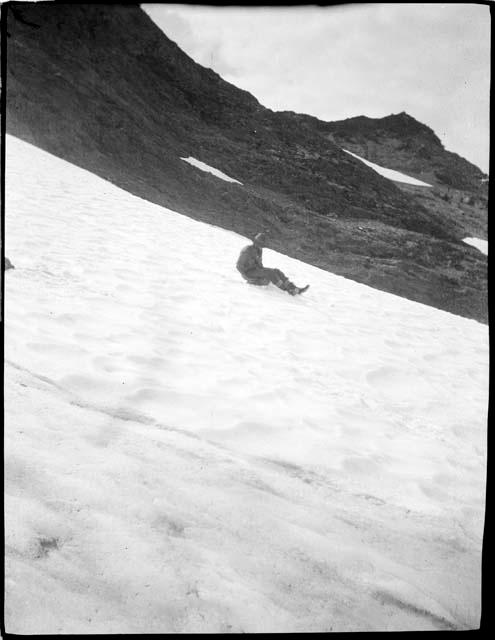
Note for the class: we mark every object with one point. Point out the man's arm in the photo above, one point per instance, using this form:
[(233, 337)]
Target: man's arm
[(257, 257)]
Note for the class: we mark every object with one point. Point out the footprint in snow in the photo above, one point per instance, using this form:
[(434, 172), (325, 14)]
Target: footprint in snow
[(46, 546)]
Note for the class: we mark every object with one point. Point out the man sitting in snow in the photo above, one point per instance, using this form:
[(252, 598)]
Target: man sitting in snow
[(251, 268)]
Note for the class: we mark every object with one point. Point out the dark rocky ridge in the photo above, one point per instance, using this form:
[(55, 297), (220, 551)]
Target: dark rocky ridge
[(101, 86), (460, 189), (411, 145)]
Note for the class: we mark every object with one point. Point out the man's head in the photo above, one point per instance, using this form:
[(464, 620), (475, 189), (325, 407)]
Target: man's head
[(260, 240)]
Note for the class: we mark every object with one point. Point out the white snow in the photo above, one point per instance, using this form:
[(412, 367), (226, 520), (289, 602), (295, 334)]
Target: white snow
[(185, 452), (481, 245), (206, 167), (391, 174)]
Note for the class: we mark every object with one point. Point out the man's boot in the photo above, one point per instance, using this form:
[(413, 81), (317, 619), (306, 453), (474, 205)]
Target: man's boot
[(291, 288), (302, 289)]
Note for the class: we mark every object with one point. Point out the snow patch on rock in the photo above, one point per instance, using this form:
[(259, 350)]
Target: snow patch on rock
[(481, 245), (206, 167), (391, 174)]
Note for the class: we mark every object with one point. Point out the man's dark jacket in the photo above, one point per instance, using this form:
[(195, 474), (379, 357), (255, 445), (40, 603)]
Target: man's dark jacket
[(250, 260)]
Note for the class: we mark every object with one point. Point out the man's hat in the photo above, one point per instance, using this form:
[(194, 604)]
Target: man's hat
[(260, 237)]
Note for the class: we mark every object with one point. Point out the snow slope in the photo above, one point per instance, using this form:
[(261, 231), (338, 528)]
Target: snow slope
[(207, 169), (481, 245), (391, 174), (188, 453)]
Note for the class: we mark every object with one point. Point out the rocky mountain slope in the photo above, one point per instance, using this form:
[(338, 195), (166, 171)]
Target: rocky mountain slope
[(460, 189), (102, 87)]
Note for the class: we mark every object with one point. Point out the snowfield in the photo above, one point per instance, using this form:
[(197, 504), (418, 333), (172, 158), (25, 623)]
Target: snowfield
[(207, 169), (391, 174), (185, 452)]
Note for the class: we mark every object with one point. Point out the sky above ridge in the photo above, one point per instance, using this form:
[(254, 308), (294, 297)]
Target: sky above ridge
[(430, 60)]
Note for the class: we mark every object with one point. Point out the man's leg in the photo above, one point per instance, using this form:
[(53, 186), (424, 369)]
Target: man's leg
[(275, 276), (280, 280)]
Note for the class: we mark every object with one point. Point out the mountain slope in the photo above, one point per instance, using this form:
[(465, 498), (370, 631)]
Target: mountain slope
[(412, 147), (101, 86), (460, 191), (188, 453)]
